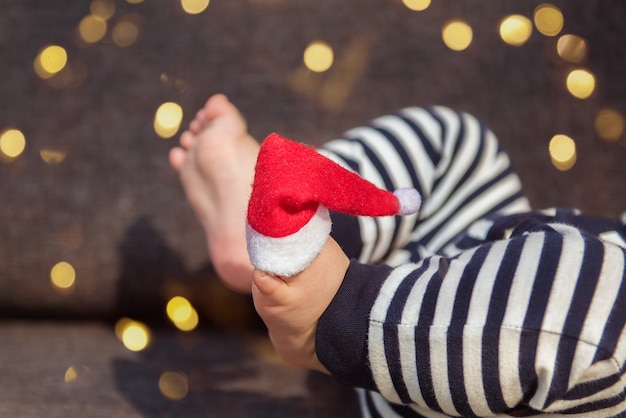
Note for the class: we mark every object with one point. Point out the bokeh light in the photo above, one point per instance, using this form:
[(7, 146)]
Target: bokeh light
[(182, 313), (50, 61), (134, 1), (92, 28), (457, 35), (572, 48), (51, 156), (133, 334), (194, 7), (167, 119), (548, 19), (581, 83), (125, 33), (609, 125), (516, 30), (103, 9), (63, 276), (318, 56), (173, 385), (417, 5), (12, 144), (562, 150), (76, 372)]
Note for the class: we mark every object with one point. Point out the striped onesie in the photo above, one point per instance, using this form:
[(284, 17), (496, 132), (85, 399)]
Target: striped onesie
[(475, 306)]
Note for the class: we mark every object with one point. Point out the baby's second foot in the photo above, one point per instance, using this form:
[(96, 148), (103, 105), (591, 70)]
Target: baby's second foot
[(291, 307), (216, 160)]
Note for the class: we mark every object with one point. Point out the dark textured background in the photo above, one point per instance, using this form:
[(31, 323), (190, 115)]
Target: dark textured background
[(115, 210)]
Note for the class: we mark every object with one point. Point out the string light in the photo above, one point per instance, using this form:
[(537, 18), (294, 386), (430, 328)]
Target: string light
[(63, 276), (318, 56), (416, 5), (457, 35), (92, 28), (133, 334), (609, 125), (572, 48), (50, 156), (173, 385), (167, 119), (12, 144), (50, 61), (548, 19), (125, 33), (182, 314), (581, 83), (515, 30), (194, 7), (562, 150), (103, 9)]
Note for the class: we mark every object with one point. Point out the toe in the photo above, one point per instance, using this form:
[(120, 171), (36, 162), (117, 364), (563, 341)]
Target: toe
[(187, 139), (268, 289), (177, 158)]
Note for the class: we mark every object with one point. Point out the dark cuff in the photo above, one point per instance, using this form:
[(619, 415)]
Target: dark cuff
[(341, 337)]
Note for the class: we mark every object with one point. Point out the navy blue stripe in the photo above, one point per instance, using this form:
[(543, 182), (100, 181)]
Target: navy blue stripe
[(460, 138), (615, 323), (587, 282), (390, 331), (426, 142), (409, 166), (422, 341), (542, 287), (589, 388), (495, 315), (455, 331)]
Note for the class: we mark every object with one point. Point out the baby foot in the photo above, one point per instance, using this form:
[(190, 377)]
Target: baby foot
[(291, 307), (216, 160)]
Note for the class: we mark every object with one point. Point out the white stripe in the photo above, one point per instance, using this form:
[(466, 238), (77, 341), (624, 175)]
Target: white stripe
[(473, 331), (556, 312), (413, 148), (601, 306), (406, 332), (376, 342), (439, 332), (513, 321), (426, 122)]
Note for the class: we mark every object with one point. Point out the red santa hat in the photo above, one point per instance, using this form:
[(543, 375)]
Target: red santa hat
[(294, 188)]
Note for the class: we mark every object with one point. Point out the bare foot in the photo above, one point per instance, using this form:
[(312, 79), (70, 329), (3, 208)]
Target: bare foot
[(291, 307), (216, 160)]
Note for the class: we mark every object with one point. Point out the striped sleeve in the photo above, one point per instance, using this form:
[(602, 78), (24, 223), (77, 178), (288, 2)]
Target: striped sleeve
[(535, 322), (450, 157)]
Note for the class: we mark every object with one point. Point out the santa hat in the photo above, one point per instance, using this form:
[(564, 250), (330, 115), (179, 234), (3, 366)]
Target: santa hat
[(294, 188)]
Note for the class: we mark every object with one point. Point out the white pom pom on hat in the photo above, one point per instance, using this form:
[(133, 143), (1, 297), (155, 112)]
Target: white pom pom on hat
[(294, 188)]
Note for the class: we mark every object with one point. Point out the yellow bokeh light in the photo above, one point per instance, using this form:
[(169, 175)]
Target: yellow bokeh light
[(63, 275), (516, 30), (173, 385), (417, 5), (194, 7), (92, 28), (457, 35), (548, 19), (609, 125), (167, 119), (50, 156), (318, 56), (12, 143), (125, 33), (134, 1), (562, 150), (50, 60), (133, 334), (182, 314), (75, 372), (581, 83), (572, 48), (104, 9)]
